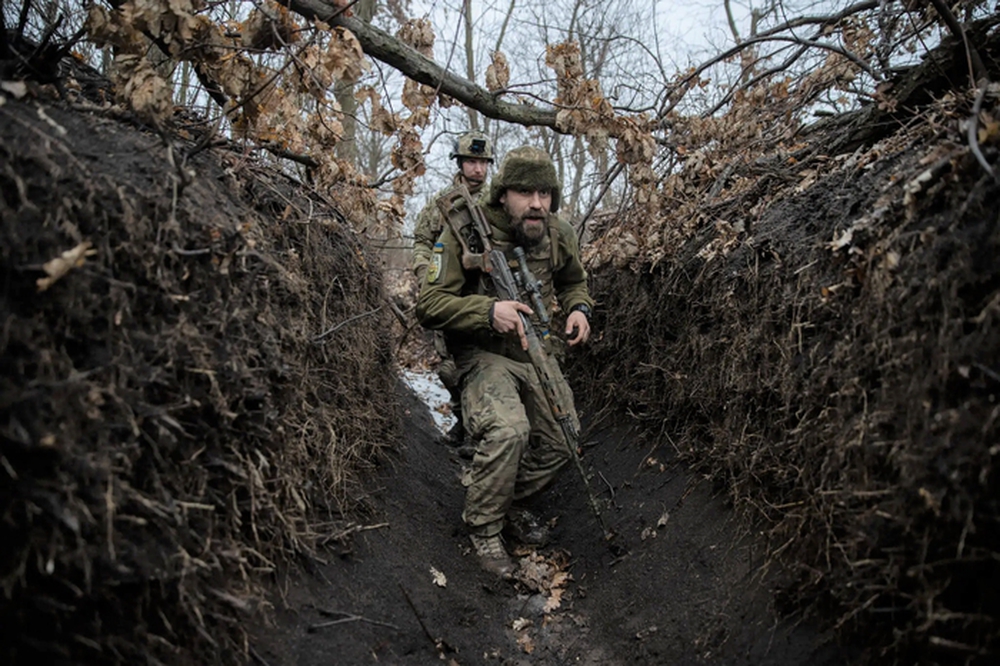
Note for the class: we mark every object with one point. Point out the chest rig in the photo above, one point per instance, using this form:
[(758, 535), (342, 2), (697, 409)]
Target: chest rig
[(477, 236)]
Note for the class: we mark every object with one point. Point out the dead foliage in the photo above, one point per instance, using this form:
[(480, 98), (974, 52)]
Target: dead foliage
[(195, 365), (815, 323)]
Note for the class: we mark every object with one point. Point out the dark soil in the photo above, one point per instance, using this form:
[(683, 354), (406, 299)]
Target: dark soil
[(681, 584), (182, 410), (835, 368), (165, 443)]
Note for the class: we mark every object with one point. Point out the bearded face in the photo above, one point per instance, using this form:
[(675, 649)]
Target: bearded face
[(528, 209)]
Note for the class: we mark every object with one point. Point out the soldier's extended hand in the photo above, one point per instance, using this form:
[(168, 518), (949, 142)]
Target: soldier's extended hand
[(506, 319), (577, 320)]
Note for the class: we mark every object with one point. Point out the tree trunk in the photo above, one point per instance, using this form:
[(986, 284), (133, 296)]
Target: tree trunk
[(343, 92), (470, 58)]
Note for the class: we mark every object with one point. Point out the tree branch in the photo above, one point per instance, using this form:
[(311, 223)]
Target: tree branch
[(978, 72), (755, 80), (972, 132), (384, 47), (503, 27), (732, 23), (763, 37)]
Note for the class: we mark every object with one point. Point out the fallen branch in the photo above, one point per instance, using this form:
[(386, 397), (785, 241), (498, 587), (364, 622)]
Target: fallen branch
[(349, 617), (439, 643), (972, 132), (177, 249), (345, 323), (351, 530)]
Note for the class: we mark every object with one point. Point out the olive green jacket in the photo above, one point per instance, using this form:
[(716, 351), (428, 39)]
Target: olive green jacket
[(458, 301), (429, 224)]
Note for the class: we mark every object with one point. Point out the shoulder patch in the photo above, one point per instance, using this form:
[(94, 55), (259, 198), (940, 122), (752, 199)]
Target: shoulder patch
[(434, 268)]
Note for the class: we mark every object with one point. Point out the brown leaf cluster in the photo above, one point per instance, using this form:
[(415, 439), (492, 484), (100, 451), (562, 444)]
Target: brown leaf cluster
[(342, 59), (545, 575), (417, 96), (143, 89), (267, 96), (497, 73), (584, 111), (419, 34), (270, 27), (382, 120)]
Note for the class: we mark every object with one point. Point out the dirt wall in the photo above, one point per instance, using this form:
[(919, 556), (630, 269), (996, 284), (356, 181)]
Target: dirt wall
[(185, 402), (829, 351)]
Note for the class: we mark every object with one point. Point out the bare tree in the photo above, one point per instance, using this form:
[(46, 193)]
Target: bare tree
[(347, 147)]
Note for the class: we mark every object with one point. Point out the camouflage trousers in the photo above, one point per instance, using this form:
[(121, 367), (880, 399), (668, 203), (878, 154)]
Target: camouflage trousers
[(447, 371), (519, 447)]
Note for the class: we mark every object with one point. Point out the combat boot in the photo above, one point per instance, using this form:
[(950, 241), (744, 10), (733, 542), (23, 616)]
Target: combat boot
[(492, 555), (526, 527)]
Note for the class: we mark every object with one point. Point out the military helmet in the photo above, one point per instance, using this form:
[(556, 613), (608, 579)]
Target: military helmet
[(472, 144), (526, 167)]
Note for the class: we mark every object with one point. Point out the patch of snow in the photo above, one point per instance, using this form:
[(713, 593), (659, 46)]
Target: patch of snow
[(429, 388)]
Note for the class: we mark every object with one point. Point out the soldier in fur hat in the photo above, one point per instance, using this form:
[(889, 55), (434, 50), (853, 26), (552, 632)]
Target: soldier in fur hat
[(518, 442)]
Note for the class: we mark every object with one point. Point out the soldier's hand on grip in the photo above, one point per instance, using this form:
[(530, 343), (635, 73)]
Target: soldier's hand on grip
[(506, 319), (577, 328)]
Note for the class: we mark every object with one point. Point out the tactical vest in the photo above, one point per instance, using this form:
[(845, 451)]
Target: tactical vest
[(543, 262)]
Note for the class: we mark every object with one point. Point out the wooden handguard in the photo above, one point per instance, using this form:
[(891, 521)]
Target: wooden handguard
[(457, 207)]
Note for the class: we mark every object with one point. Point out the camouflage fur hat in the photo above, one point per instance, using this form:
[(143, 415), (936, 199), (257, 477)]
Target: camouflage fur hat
[(526, 167), (475, 145)]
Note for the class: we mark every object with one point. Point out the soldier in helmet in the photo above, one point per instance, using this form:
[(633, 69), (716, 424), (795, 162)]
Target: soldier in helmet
[(473, 151), (518, 442)]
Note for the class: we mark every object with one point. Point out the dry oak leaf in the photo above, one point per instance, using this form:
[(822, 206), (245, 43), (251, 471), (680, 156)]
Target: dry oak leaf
[(61, 265), (344, 59), (417, 95), (565, 59), (144, 89), (498, 73), (419, 34), (268, 29), (407, 154), (566, 120), (525, 643), (554, 601)]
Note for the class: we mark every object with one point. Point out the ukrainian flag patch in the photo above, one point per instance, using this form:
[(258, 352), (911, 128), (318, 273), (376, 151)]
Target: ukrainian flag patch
[(437, 259)]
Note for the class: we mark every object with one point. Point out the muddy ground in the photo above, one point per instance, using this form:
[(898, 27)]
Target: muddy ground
[(682, 584)]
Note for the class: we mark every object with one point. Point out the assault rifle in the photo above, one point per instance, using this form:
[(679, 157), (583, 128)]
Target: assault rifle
[(478, 252)]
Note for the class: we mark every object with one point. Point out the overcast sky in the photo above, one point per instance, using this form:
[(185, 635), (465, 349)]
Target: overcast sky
[(687, 29), (686, 33)]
